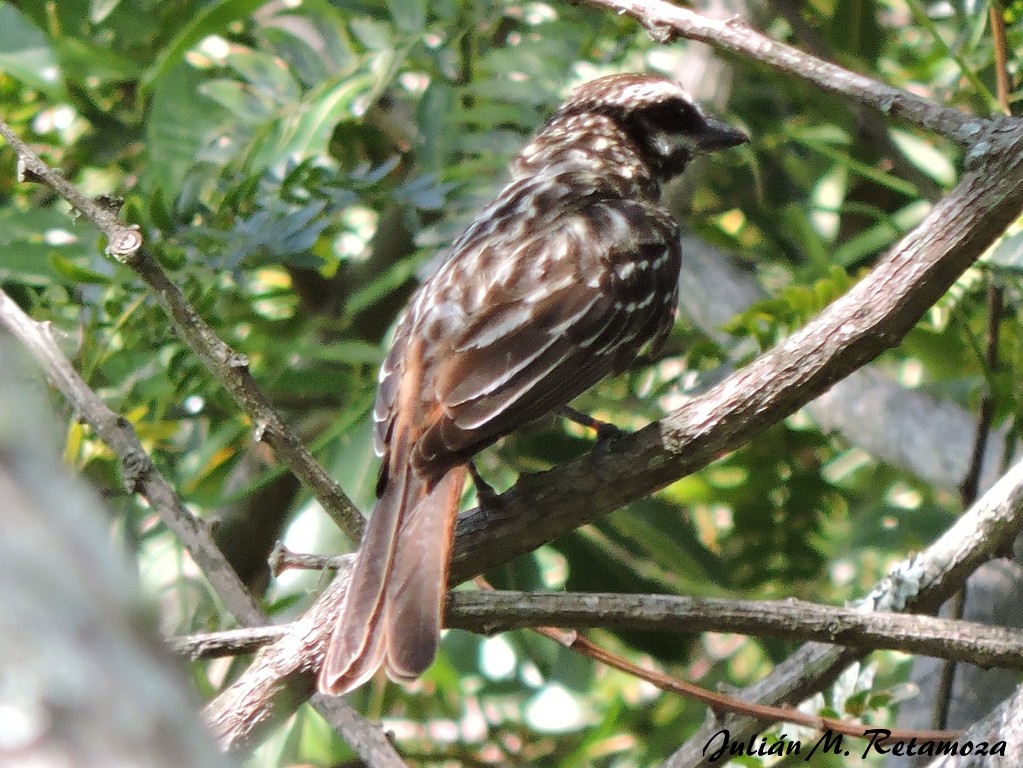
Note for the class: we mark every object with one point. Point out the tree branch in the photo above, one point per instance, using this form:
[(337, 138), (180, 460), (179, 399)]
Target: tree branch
[(498, 611), (230, 368), (920, 583), (137, 469), (907, 428), (666, 22), (490, 612)]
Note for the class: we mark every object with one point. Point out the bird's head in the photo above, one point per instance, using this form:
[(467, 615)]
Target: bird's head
[(658, 115)]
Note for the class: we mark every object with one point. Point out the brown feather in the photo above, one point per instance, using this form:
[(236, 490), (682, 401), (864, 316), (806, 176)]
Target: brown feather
[(357, 645), (419, 579)]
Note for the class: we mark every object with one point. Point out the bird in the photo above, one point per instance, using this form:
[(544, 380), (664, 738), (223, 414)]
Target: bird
[(559, 282)]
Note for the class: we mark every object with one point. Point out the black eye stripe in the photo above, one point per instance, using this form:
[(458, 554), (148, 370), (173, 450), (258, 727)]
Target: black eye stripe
[(675, 116)]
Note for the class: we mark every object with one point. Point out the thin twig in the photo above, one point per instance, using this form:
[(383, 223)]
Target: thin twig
[(718, 702), (283, 559), (138, 471), (1002, 76), (227, 642), (986, 412), (125, 243), (666, 22)]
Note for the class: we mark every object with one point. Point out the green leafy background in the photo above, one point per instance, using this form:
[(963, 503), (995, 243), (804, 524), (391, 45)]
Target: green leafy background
[(296, 166)]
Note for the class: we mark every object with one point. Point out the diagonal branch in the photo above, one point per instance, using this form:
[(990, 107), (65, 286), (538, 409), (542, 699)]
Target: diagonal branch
[(137, 468), (229, 367), (872, 317), (921, 583), (666, 22)]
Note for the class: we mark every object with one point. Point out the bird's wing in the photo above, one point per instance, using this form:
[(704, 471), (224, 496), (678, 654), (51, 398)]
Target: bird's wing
[(579, 304)]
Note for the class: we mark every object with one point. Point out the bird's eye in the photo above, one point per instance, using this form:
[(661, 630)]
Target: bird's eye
[(674, 116)]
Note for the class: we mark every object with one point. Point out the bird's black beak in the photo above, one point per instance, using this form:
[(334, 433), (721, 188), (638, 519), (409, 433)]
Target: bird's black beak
[(717, 135)]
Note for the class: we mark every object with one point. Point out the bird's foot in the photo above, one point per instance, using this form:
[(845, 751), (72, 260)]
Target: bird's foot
[(487, 497), (606, 431)]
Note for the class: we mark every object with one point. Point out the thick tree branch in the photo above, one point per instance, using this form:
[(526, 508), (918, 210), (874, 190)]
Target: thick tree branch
[(907, 428), (280, 677), (873, 316)]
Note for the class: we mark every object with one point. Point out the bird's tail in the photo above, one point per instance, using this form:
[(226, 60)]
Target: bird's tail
[(392, 611), (414, 605)]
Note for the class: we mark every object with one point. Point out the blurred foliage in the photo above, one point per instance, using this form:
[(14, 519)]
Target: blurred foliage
[(297, 166)]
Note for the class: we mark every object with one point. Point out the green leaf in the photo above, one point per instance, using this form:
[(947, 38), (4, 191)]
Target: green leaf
[(266, 74), (350, 352), (26, 54), (81, 60), (408, 15), (238, 99), (313, 39), (1008, 253), (32, 224), (75, 273), (388, 281), (180, 126), (437, 114), (307, 129), (966, 69), (27, 263), (842, 157), (880, 236), (211, 20), (37, 242)]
